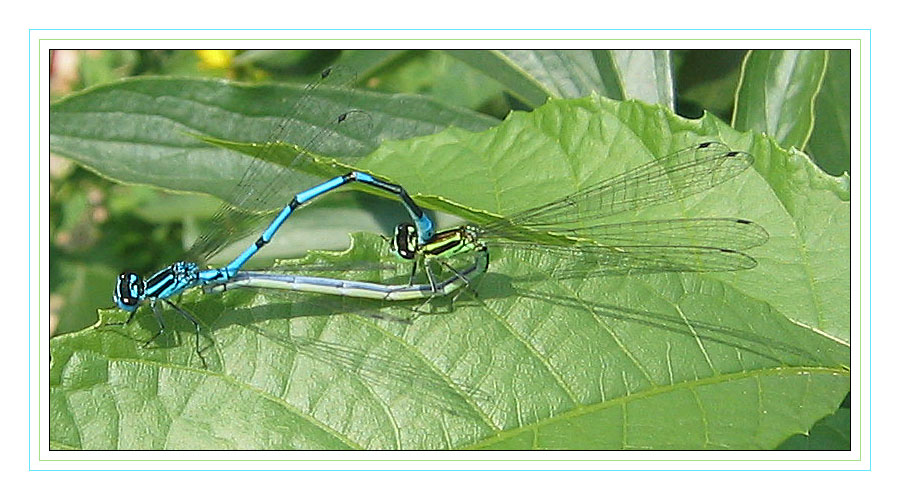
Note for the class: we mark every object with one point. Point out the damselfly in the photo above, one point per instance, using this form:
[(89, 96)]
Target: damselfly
[(251, 198), (570, 227)]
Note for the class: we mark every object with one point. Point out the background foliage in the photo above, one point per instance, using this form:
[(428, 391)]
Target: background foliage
[(770, 361)]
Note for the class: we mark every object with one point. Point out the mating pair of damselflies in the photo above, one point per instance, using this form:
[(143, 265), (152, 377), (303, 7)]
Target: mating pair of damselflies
[(571, 227)]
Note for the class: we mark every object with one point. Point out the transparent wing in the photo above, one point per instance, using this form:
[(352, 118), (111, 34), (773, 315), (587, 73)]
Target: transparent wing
[(318, 119), (678, 175), (595, 260), (400, 371), (725, 233), (411, 376)]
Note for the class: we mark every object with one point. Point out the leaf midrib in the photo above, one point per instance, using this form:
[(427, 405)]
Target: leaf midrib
[(654, 391)]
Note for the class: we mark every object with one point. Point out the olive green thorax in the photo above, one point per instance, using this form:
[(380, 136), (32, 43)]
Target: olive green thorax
[(444, 244)]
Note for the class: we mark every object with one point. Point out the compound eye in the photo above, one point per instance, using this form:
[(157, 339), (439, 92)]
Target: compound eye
[(129, 288), (405, 241)]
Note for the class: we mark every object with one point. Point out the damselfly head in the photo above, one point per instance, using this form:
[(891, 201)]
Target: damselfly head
[(406, 241), (129, 290)]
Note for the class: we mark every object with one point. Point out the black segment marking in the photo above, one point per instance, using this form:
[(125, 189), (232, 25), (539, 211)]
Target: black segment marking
[(448, 246)]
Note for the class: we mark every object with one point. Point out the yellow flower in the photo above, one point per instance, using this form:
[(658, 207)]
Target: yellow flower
[(219, 59)]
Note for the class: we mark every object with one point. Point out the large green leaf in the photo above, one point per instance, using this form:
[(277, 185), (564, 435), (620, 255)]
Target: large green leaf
[(144, 130), (538, 157), (737, 360)]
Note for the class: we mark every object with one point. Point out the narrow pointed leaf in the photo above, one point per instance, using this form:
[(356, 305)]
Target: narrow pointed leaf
[(777, 94), (646, 75), (830, 141)]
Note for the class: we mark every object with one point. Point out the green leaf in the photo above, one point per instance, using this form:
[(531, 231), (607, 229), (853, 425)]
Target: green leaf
[(326, 167), (366, 62), (690, 364), (437, 75), (777, 92), (830, 141), (739, 360), (538, 157), (143, 130), (647, 75), (830, 433), (535, 75)]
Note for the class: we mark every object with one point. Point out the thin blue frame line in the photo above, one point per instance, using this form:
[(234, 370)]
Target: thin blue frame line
[(452, 29), (868, 30), (870, 250), (870, 221), (29, 247), (454, 470)]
